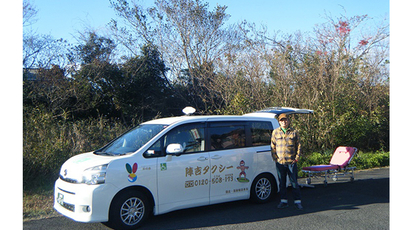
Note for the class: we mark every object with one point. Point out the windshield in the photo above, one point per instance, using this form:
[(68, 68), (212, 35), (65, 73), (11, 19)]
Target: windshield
[(131, 141)]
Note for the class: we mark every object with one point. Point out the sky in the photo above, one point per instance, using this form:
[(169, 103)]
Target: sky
[(65, 18)]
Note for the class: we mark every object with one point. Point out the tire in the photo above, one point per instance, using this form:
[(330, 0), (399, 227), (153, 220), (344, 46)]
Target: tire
[(262, 189), (129, 210)]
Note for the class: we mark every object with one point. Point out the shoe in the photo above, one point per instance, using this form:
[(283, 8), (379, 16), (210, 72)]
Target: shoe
[(299, 206), (282, 205)]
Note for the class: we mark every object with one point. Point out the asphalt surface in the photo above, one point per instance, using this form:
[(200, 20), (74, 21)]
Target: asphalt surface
[(362, 204)]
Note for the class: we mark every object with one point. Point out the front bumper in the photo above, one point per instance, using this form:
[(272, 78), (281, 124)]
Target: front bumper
[(82, 202)]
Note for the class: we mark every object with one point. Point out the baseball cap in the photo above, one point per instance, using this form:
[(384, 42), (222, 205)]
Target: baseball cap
[(281, 116)]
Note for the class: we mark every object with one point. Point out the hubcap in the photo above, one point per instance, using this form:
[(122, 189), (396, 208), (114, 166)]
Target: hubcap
[(263, 188), (132, 211)]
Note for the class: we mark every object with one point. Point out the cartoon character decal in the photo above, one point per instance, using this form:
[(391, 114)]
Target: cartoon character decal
[(132, 170), (242, 175)]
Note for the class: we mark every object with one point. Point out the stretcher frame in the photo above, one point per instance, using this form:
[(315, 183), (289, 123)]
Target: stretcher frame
[(333, 170)]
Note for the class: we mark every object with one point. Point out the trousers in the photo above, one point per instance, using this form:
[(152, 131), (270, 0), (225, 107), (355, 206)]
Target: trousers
[(291, 171)]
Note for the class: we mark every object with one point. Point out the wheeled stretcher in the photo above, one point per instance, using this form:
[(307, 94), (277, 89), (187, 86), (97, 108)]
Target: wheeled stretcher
[(338, 165)]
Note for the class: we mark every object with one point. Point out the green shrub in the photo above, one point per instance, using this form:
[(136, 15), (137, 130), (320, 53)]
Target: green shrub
[(49, 142), (371, 160), (315, 159)]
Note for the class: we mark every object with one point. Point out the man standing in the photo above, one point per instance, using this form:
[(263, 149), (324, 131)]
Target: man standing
[(286, 150)]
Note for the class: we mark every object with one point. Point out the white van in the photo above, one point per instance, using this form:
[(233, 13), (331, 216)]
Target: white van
[(169, 164)]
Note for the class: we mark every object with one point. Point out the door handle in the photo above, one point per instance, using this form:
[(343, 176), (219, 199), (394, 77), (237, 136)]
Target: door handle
[(216, 157), (263, 151), (202, 158)]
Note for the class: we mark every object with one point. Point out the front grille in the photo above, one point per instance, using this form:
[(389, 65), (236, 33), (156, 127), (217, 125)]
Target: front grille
[(73, 181)]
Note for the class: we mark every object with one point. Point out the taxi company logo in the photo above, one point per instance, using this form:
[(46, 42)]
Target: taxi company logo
[(132, 170)]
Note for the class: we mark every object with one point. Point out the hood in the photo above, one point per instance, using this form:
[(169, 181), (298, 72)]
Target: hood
[(73, 168)]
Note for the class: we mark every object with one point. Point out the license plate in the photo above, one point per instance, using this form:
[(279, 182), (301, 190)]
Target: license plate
[(60, 198)]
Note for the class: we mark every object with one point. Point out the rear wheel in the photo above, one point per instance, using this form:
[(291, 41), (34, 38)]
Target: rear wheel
[(262, 189), (129, 210)]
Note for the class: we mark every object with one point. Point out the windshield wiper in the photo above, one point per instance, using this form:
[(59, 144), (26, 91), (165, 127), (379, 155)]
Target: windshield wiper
[(103, 153), (122, 154)]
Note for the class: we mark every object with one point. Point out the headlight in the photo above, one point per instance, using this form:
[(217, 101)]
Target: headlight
[(95, 175)]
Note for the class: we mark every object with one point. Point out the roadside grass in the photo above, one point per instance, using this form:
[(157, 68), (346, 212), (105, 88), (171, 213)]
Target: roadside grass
[(38, 200), (38, 203)]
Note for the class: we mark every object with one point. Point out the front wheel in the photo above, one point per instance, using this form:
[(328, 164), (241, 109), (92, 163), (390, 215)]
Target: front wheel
[(262, 189), (129, 210)]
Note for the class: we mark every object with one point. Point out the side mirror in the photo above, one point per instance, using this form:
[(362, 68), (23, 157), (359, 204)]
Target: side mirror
[(174, 149)]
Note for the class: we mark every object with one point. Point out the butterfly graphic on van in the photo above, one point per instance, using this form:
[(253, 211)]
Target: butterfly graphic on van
[(132, 170)]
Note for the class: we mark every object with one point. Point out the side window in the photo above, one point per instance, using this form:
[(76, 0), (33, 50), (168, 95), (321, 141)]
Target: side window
[(261, 133), (156, 150), (227, 137), (190, 136)]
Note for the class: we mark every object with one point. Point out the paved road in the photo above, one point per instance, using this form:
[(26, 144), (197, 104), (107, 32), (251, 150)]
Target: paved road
[(362, 204)]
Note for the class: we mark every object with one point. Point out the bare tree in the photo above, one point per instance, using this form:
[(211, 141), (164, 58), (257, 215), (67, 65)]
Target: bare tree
[(29, 13), (40, 51), (189, 36)]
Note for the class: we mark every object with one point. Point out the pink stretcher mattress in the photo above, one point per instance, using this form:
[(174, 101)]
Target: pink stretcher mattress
[(320, 167)]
